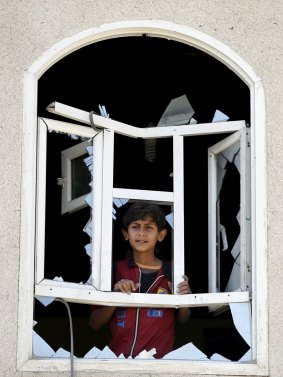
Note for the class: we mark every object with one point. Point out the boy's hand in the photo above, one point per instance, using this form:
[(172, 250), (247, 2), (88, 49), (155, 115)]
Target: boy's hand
[(183, 287), (126, 286)]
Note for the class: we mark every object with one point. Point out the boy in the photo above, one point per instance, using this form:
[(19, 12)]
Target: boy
[(136, 329)]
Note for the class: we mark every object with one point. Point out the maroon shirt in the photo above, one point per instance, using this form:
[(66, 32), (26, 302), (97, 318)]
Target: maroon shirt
[(136, 329)]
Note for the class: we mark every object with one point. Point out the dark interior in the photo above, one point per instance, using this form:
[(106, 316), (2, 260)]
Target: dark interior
[(135, 78)]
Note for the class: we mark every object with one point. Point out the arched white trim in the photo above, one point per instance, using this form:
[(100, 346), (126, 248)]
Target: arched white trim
[(154, 28), (221, 52)]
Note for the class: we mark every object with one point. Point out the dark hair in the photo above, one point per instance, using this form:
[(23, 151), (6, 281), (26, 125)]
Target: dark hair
[(143, 210)]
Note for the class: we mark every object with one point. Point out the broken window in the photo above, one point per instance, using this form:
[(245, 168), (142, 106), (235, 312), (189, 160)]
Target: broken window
[(79, 238)]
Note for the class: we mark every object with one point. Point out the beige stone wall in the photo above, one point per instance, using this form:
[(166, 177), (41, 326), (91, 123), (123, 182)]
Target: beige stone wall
[(252, 28)]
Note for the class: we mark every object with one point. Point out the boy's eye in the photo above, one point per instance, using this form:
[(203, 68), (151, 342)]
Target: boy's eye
[(148, 227)]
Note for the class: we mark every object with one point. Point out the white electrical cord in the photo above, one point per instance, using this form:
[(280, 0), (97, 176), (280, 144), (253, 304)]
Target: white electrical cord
[(71, 335)]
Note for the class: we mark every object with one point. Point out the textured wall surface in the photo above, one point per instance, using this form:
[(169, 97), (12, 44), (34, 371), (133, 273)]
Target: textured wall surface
[(252, 28)]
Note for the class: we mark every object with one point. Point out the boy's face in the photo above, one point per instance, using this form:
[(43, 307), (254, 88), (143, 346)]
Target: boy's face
[(143, 235)]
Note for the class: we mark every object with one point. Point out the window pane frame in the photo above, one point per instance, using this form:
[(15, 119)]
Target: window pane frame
[(73, 292), (46, 125), (69, 204), (213, 152)]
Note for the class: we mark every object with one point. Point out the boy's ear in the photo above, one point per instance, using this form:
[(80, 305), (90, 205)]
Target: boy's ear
[(162, 235), (125, 234)]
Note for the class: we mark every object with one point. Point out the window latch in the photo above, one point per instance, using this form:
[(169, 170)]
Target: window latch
[(61, 181), (97, 129)]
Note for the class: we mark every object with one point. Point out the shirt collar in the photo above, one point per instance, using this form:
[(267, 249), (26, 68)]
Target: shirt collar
[(166, 266)]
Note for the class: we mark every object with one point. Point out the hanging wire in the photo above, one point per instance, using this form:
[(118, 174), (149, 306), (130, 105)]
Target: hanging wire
[(71, 335)]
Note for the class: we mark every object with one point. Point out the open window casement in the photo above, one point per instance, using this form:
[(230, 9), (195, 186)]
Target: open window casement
[(103, 194), (231, 153), (46, 126)]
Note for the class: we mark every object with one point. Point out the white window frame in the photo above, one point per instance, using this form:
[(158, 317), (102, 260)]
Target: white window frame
[(45, 126), (244, 220), (68, 203), (102, 243), (183, 34)]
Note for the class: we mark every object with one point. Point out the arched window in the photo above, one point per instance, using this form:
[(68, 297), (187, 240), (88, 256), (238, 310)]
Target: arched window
[(201, 123)]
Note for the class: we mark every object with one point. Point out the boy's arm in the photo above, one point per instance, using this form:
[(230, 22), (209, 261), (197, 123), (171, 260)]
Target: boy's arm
[(101, 316), (183, 315)]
